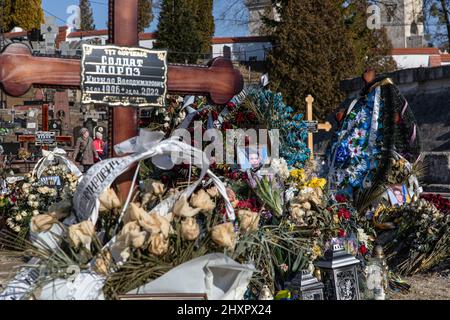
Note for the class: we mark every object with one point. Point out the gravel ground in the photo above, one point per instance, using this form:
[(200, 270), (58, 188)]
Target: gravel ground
[(435, 286)]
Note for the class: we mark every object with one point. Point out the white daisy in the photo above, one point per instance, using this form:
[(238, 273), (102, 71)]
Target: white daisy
[(359, 133), (355, 151), (361, 116)]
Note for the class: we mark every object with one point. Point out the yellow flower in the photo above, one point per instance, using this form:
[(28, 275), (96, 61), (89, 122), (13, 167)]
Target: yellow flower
[(317, 252), (298, 174), (317, 183)]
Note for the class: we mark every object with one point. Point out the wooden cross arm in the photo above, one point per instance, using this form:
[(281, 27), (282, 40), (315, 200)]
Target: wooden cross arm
[(325, 126), (19, 70)]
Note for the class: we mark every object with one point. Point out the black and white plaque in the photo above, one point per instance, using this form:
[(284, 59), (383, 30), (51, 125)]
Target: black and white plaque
[(123, 76)]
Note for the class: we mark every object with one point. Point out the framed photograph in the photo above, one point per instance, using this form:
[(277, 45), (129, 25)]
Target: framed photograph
[(398, 195), (164, 296), (252, 158)]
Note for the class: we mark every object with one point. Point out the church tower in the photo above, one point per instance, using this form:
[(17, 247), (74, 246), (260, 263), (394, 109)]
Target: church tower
[(403, 20), (256, 9)]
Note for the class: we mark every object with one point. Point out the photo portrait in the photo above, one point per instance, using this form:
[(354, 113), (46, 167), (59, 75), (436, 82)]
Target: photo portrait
[(398, 195)]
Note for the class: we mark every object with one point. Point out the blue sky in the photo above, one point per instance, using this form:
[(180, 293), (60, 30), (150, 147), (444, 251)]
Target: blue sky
[(230, 15)]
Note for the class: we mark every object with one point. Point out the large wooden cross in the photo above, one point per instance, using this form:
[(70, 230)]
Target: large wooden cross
[(320, 126), (19, 70)]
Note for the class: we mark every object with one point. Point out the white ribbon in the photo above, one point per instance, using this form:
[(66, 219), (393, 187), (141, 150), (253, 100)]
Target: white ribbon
[(164, 155), (49, 157), (375, 116)]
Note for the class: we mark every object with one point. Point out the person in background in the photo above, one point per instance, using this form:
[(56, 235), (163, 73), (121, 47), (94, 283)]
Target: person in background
[(85, 152), (99, 146)]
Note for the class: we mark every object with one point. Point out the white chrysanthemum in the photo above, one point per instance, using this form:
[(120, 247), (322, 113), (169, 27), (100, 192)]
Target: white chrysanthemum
[(279, 166)]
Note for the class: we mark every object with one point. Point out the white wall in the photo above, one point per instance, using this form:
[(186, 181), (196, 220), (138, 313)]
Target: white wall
[(411, 61), (243, 51)]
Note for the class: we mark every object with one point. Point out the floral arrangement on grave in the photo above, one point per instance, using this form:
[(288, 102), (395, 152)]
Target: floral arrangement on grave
[(375, 123), (33, 197), (416, 236)]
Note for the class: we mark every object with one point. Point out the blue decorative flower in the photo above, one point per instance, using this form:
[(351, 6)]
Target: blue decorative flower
[(342, 154)]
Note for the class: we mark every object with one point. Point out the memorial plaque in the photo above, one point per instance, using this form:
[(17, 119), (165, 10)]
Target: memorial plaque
[(45, 138), (123, 76), (312, 126)]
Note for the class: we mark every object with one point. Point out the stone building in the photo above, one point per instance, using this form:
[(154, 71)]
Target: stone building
[(256, 9), (403, 20)]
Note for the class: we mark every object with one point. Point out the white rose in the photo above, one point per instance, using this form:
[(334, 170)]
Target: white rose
[(18, 217), (35, 212), (24, 214), (16, 229), (31, 197)]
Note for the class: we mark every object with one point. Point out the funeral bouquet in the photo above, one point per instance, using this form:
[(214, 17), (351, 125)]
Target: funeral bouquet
[(420, 238), (31, 197)]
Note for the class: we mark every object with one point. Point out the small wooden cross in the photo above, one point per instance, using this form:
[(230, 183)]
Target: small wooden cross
[(317, 126)]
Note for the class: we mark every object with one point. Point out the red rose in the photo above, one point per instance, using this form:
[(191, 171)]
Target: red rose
[(240, 117), (251, 116), (342, 233), (13, 199), (340, 198), (363, 249), (231, 106), (344, 213), (226, 125), (215, 115), (164, 179)]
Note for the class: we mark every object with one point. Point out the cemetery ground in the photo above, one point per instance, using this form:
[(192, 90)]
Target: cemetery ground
[(434, 285)]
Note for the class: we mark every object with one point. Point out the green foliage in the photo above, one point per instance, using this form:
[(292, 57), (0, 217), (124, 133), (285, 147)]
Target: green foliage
[(205, 22), (185, 29), (145, 14), (371, 47), (87, 19), (312, 52), (319, 43), (26, 14)]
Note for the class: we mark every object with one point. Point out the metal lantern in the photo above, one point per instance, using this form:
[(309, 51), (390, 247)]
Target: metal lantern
[(305, 287), (339, 274)]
